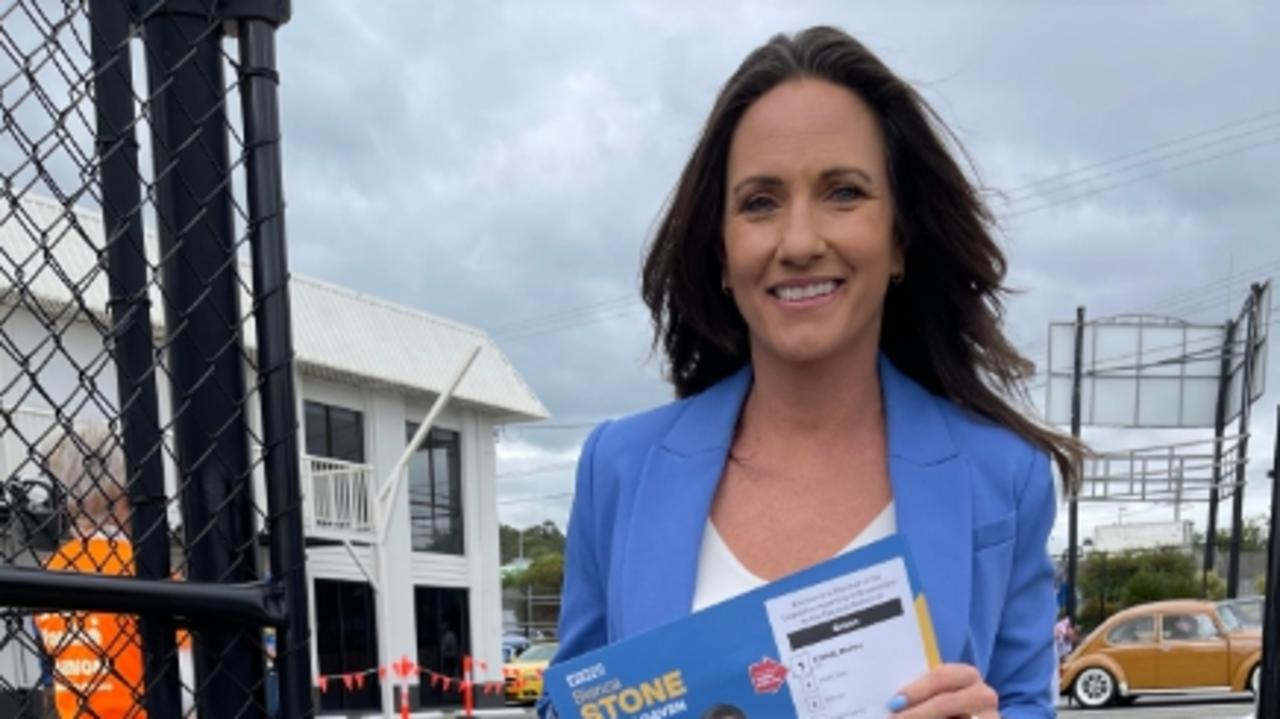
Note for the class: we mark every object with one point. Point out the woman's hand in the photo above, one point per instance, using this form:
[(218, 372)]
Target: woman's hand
[(950, 690)]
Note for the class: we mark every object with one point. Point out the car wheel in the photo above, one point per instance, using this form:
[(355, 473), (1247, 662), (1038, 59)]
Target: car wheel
[(1255, 678), (1094, 687)]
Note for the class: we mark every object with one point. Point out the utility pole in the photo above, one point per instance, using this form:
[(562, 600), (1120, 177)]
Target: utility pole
[(1242, 444), (1269, 694), (1073, 520), (1219, 431)]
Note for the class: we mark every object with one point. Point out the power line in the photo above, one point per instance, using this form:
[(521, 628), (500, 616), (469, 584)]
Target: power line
[(1189, 298), (561, 315), (539, 498), (553, 425), (537, 470), (1225, 294), (1218, 285), (574, 323), (1038, 385), (1147, 176), (1058, 185)]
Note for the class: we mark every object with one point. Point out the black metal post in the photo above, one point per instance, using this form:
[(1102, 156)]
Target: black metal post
[(264, 182), (133, 352), (1242, 445), (192, 170), (1219, 431), (1073, 518), (1269, 694)]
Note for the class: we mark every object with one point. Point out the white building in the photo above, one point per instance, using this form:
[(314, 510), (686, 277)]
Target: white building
[(1142, 535), (366, 371)]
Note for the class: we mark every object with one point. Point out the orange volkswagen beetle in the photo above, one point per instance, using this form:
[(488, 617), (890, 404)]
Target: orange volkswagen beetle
[(1161, 648)]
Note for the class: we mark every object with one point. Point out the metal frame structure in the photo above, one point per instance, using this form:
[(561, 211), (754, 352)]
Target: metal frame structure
[(1238, 382), (224, 597)]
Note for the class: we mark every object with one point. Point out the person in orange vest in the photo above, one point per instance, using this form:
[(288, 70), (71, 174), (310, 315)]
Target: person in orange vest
[(97, 656)]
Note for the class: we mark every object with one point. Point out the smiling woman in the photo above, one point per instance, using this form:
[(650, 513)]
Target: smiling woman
[(828, 296)]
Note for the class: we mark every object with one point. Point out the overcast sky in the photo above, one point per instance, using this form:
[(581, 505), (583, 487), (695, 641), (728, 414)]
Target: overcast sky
[(502, 164)]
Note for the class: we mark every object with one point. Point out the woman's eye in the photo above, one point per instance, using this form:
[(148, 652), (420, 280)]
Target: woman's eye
[(845, 193), (758, 204)]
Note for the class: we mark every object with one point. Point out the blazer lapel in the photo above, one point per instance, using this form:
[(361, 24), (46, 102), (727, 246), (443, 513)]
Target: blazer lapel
[(671, 506), (933, 505), (673, 500)]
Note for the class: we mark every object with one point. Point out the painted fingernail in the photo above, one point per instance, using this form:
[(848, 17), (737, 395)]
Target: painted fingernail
[(897, 703)]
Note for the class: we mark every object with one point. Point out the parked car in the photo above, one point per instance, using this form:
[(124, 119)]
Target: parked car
[(523, 675), (1162, 648), (1247, 612), (513, 645)]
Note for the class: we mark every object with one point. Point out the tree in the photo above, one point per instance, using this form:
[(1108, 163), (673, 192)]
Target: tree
[(1111, 582), (1253, 536), (538, 540), (544, 575)]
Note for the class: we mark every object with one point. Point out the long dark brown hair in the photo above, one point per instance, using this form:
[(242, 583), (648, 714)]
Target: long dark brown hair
[(942, 323)]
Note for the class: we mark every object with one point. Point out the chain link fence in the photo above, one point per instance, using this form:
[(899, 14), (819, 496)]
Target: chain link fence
[(150, 517)]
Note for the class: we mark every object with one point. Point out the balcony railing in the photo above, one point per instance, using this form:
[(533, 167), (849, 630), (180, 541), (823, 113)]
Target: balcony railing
[(337, 493), (338, 498)]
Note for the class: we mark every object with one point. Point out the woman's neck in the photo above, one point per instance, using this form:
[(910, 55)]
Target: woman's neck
[(830, 397)]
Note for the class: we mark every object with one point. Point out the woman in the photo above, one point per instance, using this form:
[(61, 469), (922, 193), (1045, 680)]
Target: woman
[(98, 658), (98, 655), (827, 294)]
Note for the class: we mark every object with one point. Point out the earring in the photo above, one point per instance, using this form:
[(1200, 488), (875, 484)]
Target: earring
[(724, 287)]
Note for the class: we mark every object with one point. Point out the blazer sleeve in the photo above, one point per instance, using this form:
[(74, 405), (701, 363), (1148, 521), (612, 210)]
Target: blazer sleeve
[(582, 602), (1023, 663)]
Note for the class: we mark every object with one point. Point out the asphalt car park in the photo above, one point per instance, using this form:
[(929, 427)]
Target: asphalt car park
[(1188, 706)]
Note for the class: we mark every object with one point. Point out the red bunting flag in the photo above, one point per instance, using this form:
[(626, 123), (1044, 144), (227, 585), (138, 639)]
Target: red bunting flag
[(382, 672), (348, 681), (435, 679), (405, 667), (447, 682), (360, 680), (323, 682)]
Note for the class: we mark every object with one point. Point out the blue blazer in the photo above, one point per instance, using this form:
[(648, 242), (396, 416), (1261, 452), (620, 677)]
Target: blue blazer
[(974, 501)]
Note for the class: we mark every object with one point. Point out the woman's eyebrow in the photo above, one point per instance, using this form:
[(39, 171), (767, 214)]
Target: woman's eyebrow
[(766, 180), (833, 172), (827, 174)]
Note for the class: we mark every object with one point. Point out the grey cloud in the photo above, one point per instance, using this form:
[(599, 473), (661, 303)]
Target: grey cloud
[(499, 162)]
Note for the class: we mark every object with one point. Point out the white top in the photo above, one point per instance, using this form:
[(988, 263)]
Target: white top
[(721, 576)]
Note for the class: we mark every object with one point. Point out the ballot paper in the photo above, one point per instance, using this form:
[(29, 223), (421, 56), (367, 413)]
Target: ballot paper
[(835, 641)]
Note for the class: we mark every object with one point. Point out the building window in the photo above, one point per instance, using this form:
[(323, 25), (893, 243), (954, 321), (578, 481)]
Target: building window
[(334, 432), (346, 641), (444, 638), (435, 492)]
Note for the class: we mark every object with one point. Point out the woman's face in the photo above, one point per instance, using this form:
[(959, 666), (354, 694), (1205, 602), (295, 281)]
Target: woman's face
[(808, 224)]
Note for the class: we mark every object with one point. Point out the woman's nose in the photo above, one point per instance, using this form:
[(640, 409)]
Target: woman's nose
[(800, 243)]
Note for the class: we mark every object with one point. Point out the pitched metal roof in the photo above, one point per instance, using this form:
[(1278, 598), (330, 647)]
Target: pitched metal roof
[(337, 333)]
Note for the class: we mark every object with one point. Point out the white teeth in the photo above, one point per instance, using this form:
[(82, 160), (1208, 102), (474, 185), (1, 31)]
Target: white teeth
[(805, 292)]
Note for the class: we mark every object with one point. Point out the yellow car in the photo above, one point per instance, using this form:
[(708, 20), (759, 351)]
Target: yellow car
[(523, 675), (1163, 648)]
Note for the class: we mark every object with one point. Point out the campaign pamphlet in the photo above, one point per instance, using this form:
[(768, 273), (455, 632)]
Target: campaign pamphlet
[(834, 641)]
